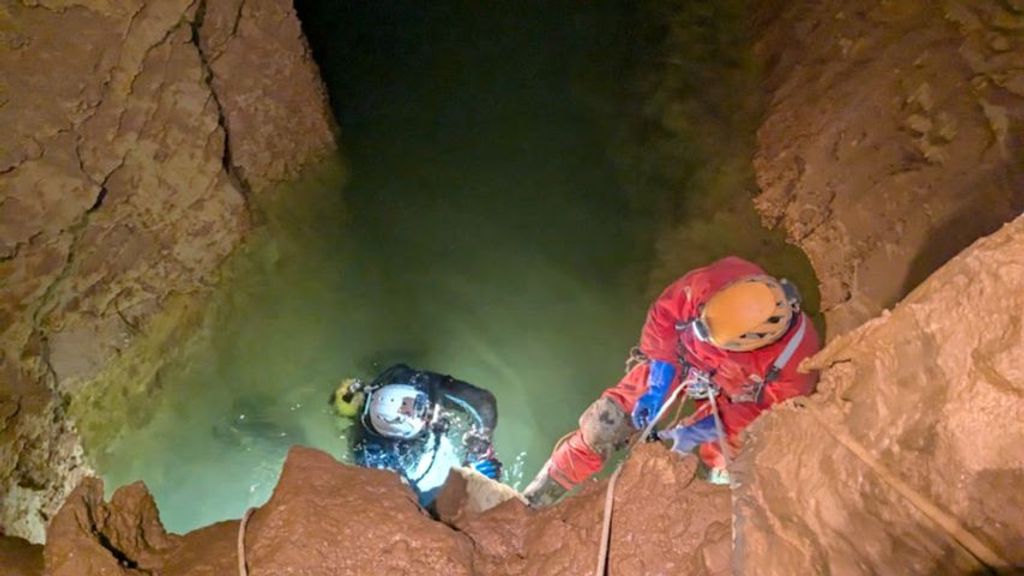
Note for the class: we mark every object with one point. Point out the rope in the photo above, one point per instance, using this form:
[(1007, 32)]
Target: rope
[(609, 497), (242, 570), (722, 441), (981, 551)]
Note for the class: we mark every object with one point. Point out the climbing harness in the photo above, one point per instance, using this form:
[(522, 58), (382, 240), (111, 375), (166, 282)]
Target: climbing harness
[(699, 332), (699, 385), (609, 498)]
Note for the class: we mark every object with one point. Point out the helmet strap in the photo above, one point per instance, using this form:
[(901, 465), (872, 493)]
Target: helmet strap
[(792, 294)]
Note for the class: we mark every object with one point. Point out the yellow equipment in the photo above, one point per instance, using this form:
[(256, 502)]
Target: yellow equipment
[(348, 398)]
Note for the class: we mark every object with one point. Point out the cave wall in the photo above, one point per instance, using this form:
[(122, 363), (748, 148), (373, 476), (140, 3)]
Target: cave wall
[(892, 138), (134, 136), (919, 408)]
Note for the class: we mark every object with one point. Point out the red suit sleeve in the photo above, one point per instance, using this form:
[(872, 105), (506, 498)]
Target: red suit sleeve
[(659, 339)]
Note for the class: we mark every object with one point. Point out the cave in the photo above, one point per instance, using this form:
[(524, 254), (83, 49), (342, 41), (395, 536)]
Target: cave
[(212, 212)]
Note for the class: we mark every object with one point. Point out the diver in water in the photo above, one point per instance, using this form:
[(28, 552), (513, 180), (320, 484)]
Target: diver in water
[(420, 425)]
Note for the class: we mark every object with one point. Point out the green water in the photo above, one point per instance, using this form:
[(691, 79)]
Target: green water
[(481, 233), (484, 230)]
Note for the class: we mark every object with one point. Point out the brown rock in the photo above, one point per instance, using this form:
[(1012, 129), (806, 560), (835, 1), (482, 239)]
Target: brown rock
[(20, 557), (91, 538), (663, 523), (209, 551), (125, 148), (879, 154), (933, 393), (328, 518), (278, 120), (468, 493)]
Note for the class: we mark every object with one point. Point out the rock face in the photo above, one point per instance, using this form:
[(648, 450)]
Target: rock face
[(357, 521), (328, 518), (922, 408), (89, 536), (664, 522), (892, 138), (131, 133), (274, 108)]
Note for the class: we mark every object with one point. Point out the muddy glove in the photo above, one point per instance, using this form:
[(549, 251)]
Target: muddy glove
[(490, 467), (686, 438), (658, 381)]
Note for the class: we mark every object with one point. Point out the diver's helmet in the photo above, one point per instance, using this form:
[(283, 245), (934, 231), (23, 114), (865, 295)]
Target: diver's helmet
[(398, 411)]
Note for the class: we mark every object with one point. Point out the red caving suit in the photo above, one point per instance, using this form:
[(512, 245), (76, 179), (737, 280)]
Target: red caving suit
[(734, 372)]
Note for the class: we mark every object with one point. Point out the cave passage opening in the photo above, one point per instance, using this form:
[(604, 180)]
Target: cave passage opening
[(482, 225)]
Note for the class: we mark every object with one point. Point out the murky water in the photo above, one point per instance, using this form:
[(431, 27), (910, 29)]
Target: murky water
[(482, 232)]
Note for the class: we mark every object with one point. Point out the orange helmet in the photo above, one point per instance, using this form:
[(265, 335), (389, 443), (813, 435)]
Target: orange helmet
[(748, 314)]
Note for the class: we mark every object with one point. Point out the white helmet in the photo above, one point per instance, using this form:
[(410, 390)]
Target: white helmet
[(398, 411)]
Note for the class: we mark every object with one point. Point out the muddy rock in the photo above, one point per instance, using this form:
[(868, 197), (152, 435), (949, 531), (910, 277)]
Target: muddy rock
[(664, 522), (92, 537), (328, 518), (20, 557), (891, 139), (120, 192), (468, 493), (909, 460), (209, 551), (277, 120)]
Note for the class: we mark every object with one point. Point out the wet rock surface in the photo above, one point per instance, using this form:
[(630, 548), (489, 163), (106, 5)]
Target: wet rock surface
[(933, 394), (467, 493), (663, 522), (326, 518), (329, 518), (120, 193), (90, 536), (891, 140)]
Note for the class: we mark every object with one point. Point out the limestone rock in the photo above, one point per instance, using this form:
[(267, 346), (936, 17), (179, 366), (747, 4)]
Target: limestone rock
[(468, 493), (328, 518), (277, 120), (934, 393), (663, 523), (90, 537), (129, 139), (209, 551), (887, 146)]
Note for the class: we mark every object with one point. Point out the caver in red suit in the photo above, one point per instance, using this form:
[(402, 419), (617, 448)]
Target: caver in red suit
[(728, 325)]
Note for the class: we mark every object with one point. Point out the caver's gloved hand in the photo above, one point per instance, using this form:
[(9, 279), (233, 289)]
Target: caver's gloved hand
[(658, 381), (490, 467), (686, 438)]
